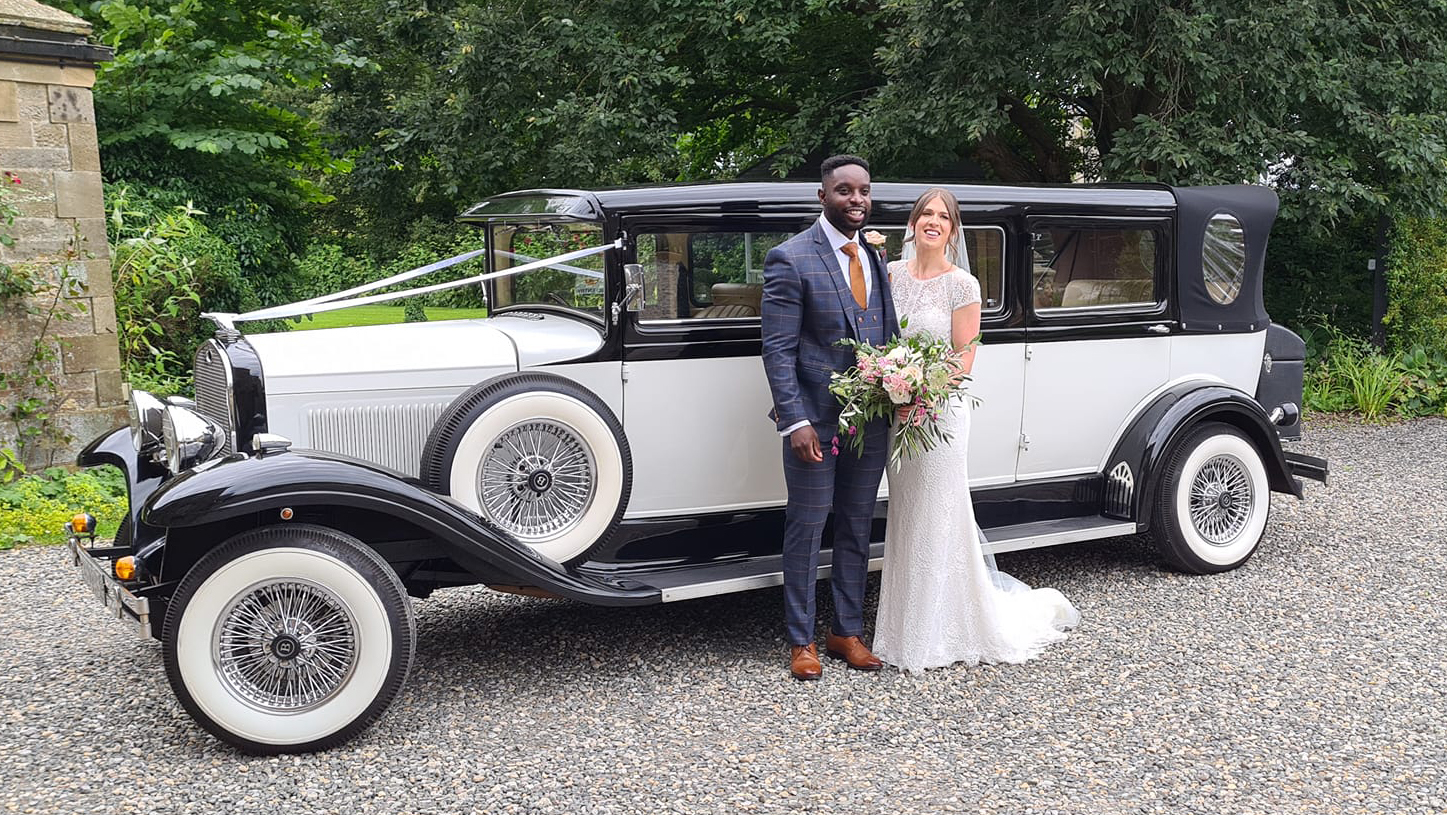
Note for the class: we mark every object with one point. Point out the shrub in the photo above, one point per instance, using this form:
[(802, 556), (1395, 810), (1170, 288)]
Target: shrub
[(429, 241), (1345, 373), (169, 268), (1426, 372), (325, 268), (36, 507), (1417, 285), (1312, 275)]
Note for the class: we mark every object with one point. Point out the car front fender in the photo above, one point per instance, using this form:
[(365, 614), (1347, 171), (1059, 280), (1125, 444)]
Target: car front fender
[(250, 485), (143, 476)]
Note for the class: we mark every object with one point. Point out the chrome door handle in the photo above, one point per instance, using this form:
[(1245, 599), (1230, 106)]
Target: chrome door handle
[(1159, 328)]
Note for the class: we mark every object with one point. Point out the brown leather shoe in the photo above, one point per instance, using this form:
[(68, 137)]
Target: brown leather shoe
[(804, 662), (853, 651)]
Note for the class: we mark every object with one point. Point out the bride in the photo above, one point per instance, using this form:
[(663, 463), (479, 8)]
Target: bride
[(939, 601)]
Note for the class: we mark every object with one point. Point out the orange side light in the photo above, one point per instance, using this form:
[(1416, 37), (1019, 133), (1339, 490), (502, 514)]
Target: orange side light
[(126, 567), (83, 523)]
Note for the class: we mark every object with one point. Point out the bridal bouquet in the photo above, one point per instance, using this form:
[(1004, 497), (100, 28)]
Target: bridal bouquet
[(918, 373)]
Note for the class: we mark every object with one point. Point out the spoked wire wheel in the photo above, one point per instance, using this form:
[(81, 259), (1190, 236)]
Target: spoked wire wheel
[(1221, 499), (285, 646), (538, 480), (288, 639), (539, 456)]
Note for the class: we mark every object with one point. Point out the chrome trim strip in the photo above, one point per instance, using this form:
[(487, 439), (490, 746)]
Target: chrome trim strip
[(1056, 538), (756, 581)]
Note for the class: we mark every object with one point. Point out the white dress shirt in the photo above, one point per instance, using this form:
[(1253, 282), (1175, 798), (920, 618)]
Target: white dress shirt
[(837, 241)]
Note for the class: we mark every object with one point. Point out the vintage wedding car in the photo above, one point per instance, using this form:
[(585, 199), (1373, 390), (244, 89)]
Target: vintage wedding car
[(602, 435)]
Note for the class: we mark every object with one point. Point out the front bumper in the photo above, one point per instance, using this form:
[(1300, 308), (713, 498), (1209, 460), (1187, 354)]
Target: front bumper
[(94, 564)]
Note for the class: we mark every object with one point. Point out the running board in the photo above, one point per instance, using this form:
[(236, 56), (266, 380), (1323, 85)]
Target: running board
[(763, 572), (1053, 533), (756, 573)]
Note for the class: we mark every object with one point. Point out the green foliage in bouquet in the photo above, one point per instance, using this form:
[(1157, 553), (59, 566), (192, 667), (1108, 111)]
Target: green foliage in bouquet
[(916, 374)]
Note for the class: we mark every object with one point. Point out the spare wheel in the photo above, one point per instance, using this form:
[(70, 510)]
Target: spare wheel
[(538, 456)]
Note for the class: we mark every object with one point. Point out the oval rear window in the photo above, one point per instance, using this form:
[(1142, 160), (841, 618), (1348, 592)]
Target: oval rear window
[(1223, 258)]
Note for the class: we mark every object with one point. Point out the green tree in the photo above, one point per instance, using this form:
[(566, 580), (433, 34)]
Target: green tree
[(474, 98), (207, 104), (1341, 105)]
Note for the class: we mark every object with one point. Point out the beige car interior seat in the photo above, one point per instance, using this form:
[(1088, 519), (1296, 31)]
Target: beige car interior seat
[(1082, 293), (732, 300)]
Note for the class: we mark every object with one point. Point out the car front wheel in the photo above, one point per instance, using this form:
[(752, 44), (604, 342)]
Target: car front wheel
[(288, 639), (1213, 501)]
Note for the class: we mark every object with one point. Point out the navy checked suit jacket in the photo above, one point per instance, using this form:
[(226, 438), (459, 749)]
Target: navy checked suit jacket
[(806, 309)]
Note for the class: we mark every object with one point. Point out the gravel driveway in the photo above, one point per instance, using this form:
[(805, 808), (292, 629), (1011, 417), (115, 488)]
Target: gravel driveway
[(1313, 679)]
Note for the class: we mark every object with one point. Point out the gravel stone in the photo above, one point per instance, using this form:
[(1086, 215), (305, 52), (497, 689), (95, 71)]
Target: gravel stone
[(1311, 680)]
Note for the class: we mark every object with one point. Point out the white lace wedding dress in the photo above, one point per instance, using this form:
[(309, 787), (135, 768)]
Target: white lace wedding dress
[(939, 601)]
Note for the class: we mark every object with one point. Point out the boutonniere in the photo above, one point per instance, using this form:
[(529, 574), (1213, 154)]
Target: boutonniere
[(876, 240)]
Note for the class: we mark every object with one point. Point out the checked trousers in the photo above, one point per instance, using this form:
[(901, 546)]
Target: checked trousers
[(848, 486)]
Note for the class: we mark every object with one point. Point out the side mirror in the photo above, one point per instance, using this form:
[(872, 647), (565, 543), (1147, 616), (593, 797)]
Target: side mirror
[(633, 292)]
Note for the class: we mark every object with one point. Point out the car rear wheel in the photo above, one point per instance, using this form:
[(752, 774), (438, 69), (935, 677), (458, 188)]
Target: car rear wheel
[(1213, 501), (288, 639), (538, 456)]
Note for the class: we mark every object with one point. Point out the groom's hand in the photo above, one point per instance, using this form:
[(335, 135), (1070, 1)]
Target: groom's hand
[(805, 443)]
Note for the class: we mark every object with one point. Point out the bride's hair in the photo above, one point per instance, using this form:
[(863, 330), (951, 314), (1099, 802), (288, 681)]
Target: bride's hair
[(952, 209)]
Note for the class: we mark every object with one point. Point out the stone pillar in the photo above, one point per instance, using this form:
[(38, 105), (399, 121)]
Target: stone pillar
[(50, 167)]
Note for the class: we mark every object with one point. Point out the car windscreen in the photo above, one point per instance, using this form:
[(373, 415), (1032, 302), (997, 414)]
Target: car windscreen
[(576, 285)]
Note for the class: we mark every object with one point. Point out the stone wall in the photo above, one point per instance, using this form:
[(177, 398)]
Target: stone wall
[(50, 162)]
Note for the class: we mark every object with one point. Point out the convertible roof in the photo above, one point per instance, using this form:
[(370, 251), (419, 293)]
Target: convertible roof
[(785, 196)]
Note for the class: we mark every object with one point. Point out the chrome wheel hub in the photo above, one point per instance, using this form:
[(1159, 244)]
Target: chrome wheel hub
[(1222, 498), (285, 646), (538, 480)]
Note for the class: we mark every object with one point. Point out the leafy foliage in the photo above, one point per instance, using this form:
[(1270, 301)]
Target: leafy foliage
[(1417, 285), (1346, 373), (36, 507), (208, 104), (476, 98), (1341, 105), (327, 268), (166, 265)]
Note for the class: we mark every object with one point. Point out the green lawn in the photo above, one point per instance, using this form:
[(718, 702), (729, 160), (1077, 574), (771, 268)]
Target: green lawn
[(379, 315)]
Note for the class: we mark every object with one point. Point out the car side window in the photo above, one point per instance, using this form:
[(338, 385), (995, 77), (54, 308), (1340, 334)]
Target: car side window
[(984, 255), (703, 275), (1094, 266)]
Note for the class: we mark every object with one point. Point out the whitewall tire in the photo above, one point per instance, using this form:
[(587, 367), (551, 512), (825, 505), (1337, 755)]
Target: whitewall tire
[(288, 639), (1213, 502), (539, 457)]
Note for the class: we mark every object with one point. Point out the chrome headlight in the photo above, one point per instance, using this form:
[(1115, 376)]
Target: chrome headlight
[(190, 438), (147, 415)]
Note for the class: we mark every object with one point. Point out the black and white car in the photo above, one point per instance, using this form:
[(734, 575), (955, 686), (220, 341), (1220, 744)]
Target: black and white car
[(602, 434)]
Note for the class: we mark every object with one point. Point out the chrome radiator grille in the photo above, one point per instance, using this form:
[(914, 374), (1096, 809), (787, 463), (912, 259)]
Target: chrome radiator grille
[(389, 435), (213, 390)]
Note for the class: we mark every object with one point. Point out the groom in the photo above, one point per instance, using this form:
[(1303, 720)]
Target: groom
[(821, 286)]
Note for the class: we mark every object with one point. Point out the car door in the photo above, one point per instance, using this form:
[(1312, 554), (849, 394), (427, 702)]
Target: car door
[(1097, 340), (999, 375), (695, 399)]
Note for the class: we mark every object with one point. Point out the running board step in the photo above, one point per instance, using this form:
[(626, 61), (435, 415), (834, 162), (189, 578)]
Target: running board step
[(1052, 533), (761, 572), (726, 578)]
